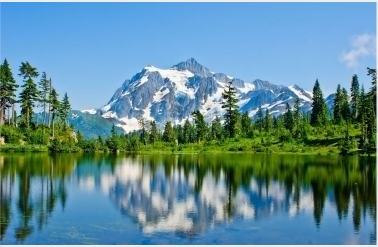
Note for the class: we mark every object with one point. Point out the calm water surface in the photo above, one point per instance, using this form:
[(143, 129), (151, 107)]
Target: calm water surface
[(187, 199)]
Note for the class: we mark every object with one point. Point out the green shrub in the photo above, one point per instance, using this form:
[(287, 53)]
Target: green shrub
[(10, 134)]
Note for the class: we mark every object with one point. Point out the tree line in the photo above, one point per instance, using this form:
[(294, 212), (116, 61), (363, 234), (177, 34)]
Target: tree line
[(352, 121), (33, 94), (353, 118)]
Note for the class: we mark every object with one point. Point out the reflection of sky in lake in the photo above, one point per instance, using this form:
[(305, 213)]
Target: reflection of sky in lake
[(161, 203), (135, 202)]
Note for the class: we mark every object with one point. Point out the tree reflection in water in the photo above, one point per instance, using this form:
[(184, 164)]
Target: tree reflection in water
[(187, 194)]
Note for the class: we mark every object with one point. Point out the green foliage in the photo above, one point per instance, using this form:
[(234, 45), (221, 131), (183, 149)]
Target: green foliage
[(63, 109), (319, 108), (168, 134), (200, 124), (186, 131), (10, 134), (288, 118), (154, 133), (355, 97), (231, 115), (37, 136), (29, 94), (268, 123), (45, 87), (133, 144), (8, 88), (216, 129)]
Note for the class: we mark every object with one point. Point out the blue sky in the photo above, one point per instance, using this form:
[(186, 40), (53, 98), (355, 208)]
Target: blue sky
[(89, 49)]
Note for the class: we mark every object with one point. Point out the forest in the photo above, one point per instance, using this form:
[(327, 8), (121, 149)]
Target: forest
[(348, 128)]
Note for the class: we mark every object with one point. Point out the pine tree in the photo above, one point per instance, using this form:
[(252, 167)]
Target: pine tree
[(44, 86), (54, 108), (297, 119), (355, 97), (179, 133), (288, 118), (260, 116), (363, 120), (373, 90), (370, 105), (8, 88), (337, 116), (319, 108), (64, 109), (168, 134), (154, 134), (200, 123), (268, 123), (186, 131), (112, 141), (231, 115), (29, 95), (245, 124), (345, 109), (142, 125), (216, 129)]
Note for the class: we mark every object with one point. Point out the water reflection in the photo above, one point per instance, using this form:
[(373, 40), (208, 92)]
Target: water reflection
[(189, 194), (35, 183)]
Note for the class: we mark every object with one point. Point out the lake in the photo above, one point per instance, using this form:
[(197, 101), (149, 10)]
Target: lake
[(187, 199)]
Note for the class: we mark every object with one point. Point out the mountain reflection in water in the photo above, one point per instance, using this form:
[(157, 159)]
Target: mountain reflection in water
[(188, 194)]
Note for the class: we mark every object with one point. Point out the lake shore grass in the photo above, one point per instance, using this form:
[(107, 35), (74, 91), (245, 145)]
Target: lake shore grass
[(214, 147)]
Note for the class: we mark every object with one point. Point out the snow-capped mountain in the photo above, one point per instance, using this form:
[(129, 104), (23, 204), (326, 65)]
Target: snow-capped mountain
[(173, 94)]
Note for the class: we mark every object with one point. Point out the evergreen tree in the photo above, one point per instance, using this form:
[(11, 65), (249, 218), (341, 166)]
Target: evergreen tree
[(29, 94), (373, 90), (370, 109), (200, 123), (231, 115), (216, 129), (245, 124), (319, 108), (142, 125), (260, 116), (288, 118), (179, 133), (44, 86), (345, 109), (54, 108), (112, 141), (363, 120), (8, 88), (64, 109), (337, 102), (268, 121), (296, 118), (154, 133), (355, 97), (168, 134), (186, 131)]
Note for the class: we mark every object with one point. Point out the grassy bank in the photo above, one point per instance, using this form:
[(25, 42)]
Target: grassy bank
[(326, 146)]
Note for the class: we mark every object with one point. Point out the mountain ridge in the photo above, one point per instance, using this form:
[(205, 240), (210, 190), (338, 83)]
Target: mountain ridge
[(172, 94)]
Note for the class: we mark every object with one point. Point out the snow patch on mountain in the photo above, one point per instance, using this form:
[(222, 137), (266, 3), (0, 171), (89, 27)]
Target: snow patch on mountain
[(299, 93), (130, 124), (90, 111)]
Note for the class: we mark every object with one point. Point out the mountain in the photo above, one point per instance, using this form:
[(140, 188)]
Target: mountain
[(90, 124), (172, 94)]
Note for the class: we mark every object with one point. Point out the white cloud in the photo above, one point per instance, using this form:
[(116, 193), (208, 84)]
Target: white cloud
[(362, 46)]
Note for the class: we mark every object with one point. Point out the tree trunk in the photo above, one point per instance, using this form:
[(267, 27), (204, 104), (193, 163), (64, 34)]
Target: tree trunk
[(27, 117), (13, 116), (52, 120), (9, 116), (1, 115)]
